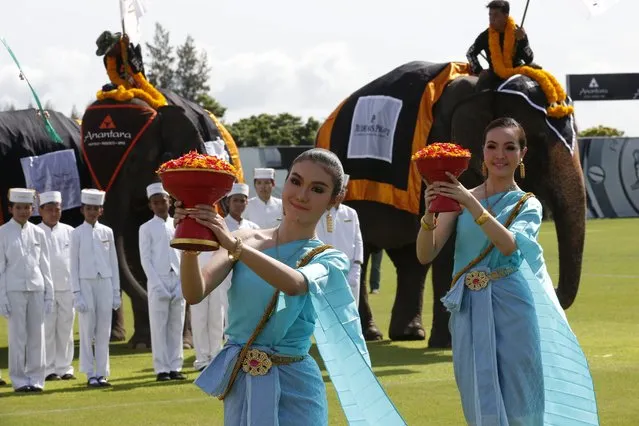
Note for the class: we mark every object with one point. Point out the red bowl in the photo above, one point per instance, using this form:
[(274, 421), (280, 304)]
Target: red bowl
[(434, 170)]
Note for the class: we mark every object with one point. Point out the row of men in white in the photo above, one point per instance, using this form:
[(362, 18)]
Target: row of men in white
[(86, 257), (45, 272)]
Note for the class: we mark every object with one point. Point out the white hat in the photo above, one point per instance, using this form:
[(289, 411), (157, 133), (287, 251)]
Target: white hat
[(346, 178), (239, 189), (261, 173), (22, 195), (93, 197), (155, 188), (50, 197)]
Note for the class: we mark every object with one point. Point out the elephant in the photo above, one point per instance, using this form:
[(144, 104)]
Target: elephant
[(444, 103)]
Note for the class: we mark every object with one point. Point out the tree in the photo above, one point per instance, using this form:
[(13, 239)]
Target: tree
[(209, 103), (274, 130), (601, 131), (48, 106), (74, 113), (161, 73), (192, 73)]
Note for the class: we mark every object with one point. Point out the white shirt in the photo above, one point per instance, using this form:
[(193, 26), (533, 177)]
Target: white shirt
[(24, 259), (156, 254), (265, 215), (59, 239), (346, 235), (92, 253)]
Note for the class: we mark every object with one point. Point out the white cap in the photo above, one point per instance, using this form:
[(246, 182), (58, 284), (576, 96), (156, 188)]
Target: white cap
[(239, 189), (261, 173), (155, 188), (50, 197), (22, 195), (93, 197), (346, 178)]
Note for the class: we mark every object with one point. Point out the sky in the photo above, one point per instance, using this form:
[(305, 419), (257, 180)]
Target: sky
[(305, 57)]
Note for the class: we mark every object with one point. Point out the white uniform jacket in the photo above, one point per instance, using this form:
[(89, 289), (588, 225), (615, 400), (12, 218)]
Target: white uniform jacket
[(158, 258), (24, 260), (92, 253), (346, 235), (59, 239), (265, 215)]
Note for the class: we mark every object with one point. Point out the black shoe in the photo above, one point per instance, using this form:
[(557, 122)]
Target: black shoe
[(24, 389), (93, 382), (68, 376), (163, 377), (52, 377), (2, 382), (176, 375), (36, 389), (103, 382)]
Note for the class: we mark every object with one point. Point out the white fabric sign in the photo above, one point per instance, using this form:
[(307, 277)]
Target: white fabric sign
[(54, 171), (373, 128)]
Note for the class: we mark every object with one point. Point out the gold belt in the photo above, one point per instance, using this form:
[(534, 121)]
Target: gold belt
[(478, 280), (258, 363)]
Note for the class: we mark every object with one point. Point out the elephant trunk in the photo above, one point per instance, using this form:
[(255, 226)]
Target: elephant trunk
[(131, 286), (567, 200)]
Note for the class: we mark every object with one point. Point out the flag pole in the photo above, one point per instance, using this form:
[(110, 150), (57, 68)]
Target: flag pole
[(525, 11)]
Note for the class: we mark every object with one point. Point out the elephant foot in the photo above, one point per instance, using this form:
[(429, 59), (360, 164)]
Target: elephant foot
[(372, 333), (413, 331), (187, 343), (439, 342), (118, 335)]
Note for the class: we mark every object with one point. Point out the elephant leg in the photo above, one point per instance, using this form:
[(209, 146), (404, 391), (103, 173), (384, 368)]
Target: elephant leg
[(442, 275), (118, 332), (369, 329), (187, 334), (406, 317)]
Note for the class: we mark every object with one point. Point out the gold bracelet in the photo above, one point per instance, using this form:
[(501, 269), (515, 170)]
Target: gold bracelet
[(237, 251), (483, 218), (428, 226)]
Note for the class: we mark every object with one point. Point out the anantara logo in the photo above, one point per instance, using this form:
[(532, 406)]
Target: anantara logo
[(594, 91), (372, 128), (107, 123)]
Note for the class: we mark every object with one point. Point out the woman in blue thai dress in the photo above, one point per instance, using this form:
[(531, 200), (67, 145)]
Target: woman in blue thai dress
[(286, 286), (516, 360)]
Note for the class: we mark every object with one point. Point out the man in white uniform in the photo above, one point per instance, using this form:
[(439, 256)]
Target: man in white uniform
[(167, 307), (95, 281), (345, 236), (264, 210), (58, 329), (208, 318), (26, 291)]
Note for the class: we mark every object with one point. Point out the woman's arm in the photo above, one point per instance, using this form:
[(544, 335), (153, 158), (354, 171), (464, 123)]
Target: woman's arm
[(431, 238), (198, 282)]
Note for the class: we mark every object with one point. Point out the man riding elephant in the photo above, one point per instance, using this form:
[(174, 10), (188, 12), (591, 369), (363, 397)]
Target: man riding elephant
[(522, 54)]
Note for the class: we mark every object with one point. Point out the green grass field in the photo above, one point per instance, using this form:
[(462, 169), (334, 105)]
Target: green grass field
[(420, 382)]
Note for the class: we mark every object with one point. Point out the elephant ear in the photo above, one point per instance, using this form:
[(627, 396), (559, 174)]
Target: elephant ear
[(177, 132)]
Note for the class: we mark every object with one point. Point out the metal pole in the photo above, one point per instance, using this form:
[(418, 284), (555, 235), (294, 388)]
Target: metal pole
[(525, 11)]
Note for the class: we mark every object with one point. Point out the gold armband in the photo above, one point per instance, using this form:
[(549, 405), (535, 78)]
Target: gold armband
[(427, 226), (483, 218), (237, 251)]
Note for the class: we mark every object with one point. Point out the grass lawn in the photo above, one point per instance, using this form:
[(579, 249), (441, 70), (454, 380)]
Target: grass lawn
[(420, 382)]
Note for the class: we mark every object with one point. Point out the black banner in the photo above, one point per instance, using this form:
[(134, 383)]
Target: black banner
[(603, 87), (109, 132), (611, 171)]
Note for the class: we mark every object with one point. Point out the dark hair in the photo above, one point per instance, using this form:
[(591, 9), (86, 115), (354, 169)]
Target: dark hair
[(331, 164), (507, 123), (501, 5)]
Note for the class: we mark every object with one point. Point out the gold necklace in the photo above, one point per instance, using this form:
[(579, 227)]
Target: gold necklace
[(504, 193)]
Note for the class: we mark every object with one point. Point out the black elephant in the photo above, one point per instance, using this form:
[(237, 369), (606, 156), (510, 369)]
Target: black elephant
[(375, 138)]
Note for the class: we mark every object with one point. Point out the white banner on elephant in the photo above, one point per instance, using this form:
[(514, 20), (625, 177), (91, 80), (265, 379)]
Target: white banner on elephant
[(130, 12), (54, 171), (373, 128)]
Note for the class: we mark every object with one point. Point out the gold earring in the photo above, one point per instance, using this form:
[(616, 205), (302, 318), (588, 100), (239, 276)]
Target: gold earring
[(484, 169), (522, 170), (329, 222)]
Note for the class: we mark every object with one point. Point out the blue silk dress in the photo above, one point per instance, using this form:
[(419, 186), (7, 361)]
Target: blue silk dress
[(295, 394), (515, 358)]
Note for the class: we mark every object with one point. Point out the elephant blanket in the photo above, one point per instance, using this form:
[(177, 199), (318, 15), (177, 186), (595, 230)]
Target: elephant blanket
[(530, 90), (367, 129)]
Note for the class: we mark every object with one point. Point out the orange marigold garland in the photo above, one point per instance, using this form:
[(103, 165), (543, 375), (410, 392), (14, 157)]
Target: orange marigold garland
[(503, 67), (441, 150), (195, 160)]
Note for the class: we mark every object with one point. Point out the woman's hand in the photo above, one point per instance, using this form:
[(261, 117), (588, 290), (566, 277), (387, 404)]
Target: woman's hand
[(179, 214), (455, 191), (429, 195), (207, 216)]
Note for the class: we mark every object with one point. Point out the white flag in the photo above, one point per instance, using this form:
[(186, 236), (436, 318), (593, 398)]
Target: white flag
[(131, 11), (597, 7)]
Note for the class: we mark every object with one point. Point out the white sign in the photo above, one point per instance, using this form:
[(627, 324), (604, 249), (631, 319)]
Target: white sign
[(54, 171), (373, 128)]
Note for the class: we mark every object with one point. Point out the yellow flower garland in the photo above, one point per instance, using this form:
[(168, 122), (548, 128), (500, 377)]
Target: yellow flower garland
[(125, 92), (503, 67)]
